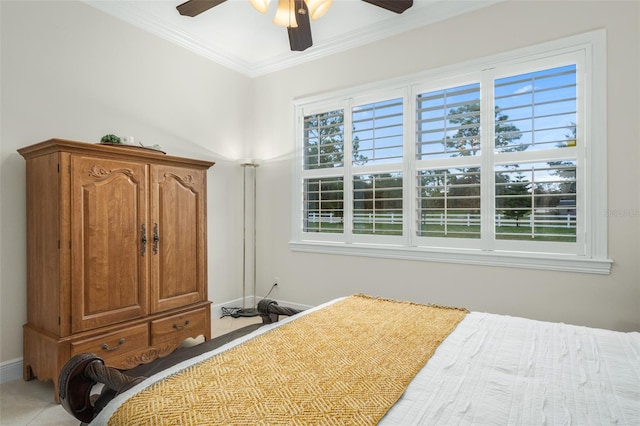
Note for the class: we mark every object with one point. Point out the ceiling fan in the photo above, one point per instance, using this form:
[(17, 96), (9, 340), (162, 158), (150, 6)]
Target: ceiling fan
[(293, 14)]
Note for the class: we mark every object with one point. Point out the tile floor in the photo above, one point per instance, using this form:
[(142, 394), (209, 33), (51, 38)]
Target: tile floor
[(32, 404)]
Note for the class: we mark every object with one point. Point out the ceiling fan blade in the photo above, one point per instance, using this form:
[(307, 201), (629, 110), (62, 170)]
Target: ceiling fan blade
[(397, 6), (300, 37), (196, 7)]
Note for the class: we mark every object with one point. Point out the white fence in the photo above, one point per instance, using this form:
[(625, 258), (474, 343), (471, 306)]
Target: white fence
[(540, 220)]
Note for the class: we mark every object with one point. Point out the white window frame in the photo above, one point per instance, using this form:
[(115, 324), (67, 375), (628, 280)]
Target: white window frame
[(591, 255)]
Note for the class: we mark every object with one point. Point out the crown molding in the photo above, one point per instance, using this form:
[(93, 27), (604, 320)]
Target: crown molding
[(423, 13)]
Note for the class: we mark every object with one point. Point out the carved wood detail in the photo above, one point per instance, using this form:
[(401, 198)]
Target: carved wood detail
[(145, 357), (97, 171)]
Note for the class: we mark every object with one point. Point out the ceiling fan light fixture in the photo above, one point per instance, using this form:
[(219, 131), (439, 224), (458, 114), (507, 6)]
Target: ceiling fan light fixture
[(317, 8), (292, 14), (260, 5), (286, 14)]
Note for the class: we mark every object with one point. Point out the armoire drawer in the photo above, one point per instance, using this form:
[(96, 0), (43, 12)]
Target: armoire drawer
[(114, 344), (179, 327)]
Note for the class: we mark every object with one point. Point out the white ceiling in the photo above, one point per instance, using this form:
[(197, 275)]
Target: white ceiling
[(235, 35)]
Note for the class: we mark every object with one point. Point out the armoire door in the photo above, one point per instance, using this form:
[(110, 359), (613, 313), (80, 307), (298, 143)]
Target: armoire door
[(178, 242), (110, 241)]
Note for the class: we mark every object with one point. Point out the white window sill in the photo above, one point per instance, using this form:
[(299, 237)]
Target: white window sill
[(549, 262)]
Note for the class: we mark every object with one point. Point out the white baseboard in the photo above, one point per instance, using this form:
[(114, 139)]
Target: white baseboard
[(293, 305), (11, 370)]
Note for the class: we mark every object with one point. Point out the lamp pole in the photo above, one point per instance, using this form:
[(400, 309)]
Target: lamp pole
[(248, 312)]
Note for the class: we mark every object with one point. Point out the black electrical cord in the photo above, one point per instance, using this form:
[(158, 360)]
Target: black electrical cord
[(240, 312)]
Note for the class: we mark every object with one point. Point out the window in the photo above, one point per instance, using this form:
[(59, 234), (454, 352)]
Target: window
[(502, 162)]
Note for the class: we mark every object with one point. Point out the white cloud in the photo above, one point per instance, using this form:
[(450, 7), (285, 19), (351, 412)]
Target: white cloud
[(524, 89)]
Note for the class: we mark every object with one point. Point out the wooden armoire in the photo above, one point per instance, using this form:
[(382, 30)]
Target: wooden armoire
[(116, 254)]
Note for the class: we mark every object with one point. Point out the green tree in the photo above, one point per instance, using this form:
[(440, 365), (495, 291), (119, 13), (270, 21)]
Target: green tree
[(324, 140), (466, 140), (378, 192), (514, 197), (358, 159), (566, 169), (465, 187), (464, 190)]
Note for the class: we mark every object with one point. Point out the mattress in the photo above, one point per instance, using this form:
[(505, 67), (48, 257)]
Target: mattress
[(503, 370)]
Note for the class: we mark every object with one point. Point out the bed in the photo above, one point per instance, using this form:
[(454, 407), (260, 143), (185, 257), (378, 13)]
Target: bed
[(366, 360)]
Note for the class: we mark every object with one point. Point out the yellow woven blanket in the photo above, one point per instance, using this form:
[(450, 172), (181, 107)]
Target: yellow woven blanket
[(345, 364)]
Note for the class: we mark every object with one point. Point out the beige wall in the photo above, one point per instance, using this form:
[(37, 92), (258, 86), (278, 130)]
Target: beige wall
[(70, 71), (610, 301)]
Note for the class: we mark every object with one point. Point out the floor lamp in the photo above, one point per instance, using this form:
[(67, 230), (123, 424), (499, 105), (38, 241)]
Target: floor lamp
[(248, 312)]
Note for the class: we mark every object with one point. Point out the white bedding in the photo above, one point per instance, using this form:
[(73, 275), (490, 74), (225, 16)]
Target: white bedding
[(501, 370)]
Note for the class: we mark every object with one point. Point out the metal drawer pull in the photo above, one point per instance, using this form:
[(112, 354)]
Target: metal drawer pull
[(106, 347), (143, 240), (181, 327), (156, 238)]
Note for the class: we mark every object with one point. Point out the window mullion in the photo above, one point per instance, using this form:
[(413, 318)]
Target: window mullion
[(487, 175), (348, 171), (410, 174)]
